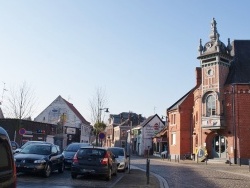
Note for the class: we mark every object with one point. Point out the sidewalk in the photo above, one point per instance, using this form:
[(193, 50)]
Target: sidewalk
[(137, 179)]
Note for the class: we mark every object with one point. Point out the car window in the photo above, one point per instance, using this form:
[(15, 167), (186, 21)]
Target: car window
[(75, 147), (5, 163), (87, 152), (37, 149), (117, 151)]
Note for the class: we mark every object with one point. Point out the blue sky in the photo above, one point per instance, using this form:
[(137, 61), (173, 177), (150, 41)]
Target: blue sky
[(143, 53)]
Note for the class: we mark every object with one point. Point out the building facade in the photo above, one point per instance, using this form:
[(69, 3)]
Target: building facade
[(72, 126), (219, 123), (142, 136)]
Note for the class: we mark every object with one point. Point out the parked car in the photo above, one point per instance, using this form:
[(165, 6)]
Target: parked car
[(70, 151), (40, 158), (94, 161), (14, 145), (121, 157), (26, 144), (7, 164)]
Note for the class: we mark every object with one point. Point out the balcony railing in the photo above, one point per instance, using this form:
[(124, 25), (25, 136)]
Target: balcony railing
[(213, 122)]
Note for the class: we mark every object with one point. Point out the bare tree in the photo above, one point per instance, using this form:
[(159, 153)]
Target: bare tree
[(21, 102), (97, 106)]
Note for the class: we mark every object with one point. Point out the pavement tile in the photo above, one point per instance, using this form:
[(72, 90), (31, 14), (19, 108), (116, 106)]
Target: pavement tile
[(137, 179)]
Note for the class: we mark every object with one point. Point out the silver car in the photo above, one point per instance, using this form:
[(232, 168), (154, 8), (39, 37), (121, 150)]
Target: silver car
[(121, 157)]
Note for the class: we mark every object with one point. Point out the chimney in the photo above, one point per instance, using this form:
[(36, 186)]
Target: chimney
[(198, 76)]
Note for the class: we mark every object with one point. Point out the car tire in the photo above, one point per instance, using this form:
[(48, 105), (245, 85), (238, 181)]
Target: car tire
[(47, 171), (61, 168), (109, 176), (73, 175), (115, 173)]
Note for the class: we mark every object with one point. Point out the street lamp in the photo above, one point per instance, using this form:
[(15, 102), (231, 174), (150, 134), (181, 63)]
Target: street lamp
[(99, 113), (100, 122)]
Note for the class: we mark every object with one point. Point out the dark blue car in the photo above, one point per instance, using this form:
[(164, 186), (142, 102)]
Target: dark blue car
[(70, 151)]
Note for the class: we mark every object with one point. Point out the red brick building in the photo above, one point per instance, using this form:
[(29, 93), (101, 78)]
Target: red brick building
[(219, 123)]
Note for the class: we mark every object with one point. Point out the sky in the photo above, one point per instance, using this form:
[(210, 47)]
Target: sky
[(142, 53)]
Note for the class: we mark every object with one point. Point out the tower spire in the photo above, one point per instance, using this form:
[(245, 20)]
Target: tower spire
[(214, 33)]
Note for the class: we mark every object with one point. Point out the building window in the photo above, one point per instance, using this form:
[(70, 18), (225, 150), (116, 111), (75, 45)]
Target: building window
[(173, 116), (210, 105), (123, 144), (173, 138)]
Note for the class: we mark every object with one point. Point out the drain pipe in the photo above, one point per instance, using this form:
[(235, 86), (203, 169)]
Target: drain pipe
[(234, 126)]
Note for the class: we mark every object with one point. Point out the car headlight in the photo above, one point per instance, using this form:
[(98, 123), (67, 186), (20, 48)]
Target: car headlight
[(40, 161)]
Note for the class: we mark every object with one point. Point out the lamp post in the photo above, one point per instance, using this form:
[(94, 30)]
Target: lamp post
[(99, 120), (130, 139)]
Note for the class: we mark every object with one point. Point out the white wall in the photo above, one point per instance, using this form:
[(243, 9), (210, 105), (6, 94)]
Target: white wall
[(149, 131)]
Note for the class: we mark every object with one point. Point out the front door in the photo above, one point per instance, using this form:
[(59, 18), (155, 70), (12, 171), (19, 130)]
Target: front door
[(219, 147)]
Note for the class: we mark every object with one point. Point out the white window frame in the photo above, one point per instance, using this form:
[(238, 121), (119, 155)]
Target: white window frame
[(173, 138)]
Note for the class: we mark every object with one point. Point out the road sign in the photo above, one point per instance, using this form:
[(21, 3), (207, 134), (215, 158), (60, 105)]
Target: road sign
[(101, 135), (22, 131)]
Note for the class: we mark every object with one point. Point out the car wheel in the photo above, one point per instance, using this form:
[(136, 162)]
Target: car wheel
[(61, 168), (73, 175), (47, 171), (115, 172), (108, 178)]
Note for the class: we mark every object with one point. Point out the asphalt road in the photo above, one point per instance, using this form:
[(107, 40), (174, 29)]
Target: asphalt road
[(64, 180), (183, 174)]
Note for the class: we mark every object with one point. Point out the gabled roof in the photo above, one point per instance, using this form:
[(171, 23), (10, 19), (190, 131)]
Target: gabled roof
[(144, 123), (179, 102), (77, 113), (162, 132), (239, 71), (70, 105)]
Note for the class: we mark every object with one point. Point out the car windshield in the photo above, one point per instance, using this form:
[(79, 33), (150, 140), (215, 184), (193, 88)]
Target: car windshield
[(117, 151), (28, 143), (75, 147), (37, 149)]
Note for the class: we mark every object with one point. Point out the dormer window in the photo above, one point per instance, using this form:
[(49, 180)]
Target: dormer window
[(210, 105)]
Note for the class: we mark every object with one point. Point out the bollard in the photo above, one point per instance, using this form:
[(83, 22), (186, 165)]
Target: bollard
[(178, 159), (249, 164), (170, 158), (229, 161), (147, 170)]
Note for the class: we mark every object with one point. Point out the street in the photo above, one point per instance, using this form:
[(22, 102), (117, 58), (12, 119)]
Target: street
[(63, 180), (182, 174)]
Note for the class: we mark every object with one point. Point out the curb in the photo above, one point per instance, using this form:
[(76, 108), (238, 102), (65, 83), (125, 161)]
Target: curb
[(162, 181)]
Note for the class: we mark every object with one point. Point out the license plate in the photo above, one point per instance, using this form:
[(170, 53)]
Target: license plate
[(88, 171)]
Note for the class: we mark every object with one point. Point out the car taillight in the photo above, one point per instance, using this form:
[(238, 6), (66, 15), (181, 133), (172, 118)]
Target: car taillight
[(75, 159), (105, 160)]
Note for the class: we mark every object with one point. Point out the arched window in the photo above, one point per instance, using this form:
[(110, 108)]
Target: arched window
[(210, 105)]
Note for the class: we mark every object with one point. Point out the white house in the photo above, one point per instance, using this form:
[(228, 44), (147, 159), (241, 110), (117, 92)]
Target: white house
[(144, 133), (74, 127)]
